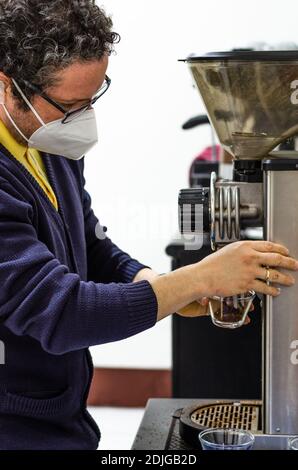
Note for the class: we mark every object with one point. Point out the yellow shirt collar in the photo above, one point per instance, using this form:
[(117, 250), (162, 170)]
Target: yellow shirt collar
[(30, 159), (7, 140)]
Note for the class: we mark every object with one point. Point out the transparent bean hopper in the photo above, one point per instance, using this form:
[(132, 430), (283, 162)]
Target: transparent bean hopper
[(251, 98), (252, 101)]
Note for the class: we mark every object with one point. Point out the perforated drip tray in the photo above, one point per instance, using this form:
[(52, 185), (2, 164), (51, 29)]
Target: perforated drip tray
[(188, 422), (242, 415), (224, 414)]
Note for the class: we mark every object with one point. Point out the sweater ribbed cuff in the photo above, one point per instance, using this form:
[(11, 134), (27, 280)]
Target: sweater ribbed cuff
[(129, 269), (142, 306)]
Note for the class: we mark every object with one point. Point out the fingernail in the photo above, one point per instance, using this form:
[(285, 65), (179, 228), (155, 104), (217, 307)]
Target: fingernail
[(278, 290), (296, 264)]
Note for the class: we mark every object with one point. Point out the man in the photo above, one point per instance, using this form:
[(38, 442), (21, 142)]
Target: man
[(64, 285)]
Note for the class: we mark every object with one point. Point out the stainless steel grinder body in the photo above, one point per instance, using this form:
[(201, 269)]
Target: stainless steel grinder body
[(251, 98), (280, 333)]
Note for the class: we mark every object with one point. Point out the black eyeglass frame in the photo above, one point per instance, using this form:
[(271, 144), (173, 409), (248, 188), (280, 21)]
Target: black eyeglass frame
[(67, 114)]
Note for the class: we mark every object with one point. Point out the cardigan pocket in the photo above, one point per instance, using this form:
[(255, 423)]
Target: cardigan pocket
[(24, 405)]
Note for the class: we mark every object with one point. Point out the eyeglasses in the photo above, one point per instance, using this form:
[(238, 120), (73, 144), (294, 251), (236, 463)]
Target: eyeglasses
[(72, 114)]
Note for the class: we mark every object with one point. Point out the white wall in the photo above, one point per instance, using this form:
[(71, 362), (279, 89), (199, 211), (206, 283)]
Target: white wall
[(143, 156)]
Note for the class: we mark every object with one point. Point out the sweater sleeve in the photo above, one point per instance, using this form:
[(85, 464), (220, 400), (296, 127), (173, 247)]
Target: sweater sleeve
[(106, 262), (39, 297)]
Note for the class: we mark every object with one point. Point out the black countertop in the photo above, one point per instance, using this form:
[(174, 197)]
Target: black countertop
[(159, 428), (155, 426)]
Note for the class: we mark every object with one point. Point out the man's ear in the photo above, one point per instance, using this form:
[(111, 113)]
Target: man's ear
[(4, 84)]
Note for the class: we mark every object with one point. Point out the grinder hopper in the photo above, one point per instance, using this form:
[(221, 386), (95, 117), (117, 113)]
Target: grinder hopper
[(251, 98)]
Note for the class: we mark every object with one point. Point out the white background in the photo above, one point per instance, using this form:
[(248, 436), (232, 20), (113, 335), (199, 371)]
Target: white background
[(143, 156)]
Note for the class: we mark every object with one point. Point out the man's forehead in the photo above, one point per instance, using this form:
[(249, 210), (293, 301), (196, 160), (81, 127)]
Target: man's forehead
[(79, 81)]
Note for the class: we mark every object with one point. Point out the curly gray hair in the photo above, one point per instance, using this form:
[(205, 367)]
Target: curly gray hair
[(40, 37)]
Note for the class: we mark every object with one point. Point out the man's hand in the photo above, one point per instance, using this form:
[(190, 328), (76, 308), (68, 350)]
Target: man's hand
[(243, 266)]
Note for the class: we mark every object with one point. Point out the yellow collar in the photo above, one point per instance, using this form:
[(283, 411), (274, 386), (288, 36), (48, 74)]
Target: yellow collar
[(30, 159), (9, 142)]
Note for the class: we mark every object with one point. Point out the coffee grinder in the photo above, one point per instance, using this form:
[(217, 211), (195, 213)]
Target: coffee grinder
[(251, 98)]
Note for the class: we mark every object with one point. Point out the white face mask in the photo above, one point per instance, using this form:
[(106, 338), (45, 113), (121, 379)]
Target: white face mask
[(71, 140)]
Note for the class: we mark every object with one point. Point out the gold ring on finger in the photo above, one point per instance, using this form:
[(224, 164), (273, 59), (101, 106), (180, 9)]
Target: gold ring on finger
[(267, 275)]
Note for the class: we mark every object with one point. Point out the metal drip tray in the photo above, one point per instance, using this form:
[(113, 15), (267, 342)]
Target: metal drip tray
[(228, 415), (240, 415)]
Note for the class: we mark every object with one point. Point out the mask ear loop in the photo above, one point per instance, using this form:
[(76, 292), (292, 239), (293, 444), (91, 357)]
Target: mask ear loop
[(13, 123), (2, 102), (28, 103)]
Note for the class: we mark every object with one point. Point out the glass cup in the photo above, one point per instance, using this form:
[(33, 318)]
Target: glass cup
[(226, 439), (230, 312), (293, 443)]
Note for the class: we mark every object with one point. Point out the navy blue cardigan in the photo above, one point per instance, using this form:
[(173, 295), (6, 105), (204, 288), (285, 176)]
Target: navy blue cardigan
[(64, 288)]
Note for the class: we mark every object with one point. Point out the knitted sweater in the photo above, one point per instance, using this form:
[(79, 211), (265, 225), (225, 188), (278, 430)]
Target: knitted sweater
[(64, 287)]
